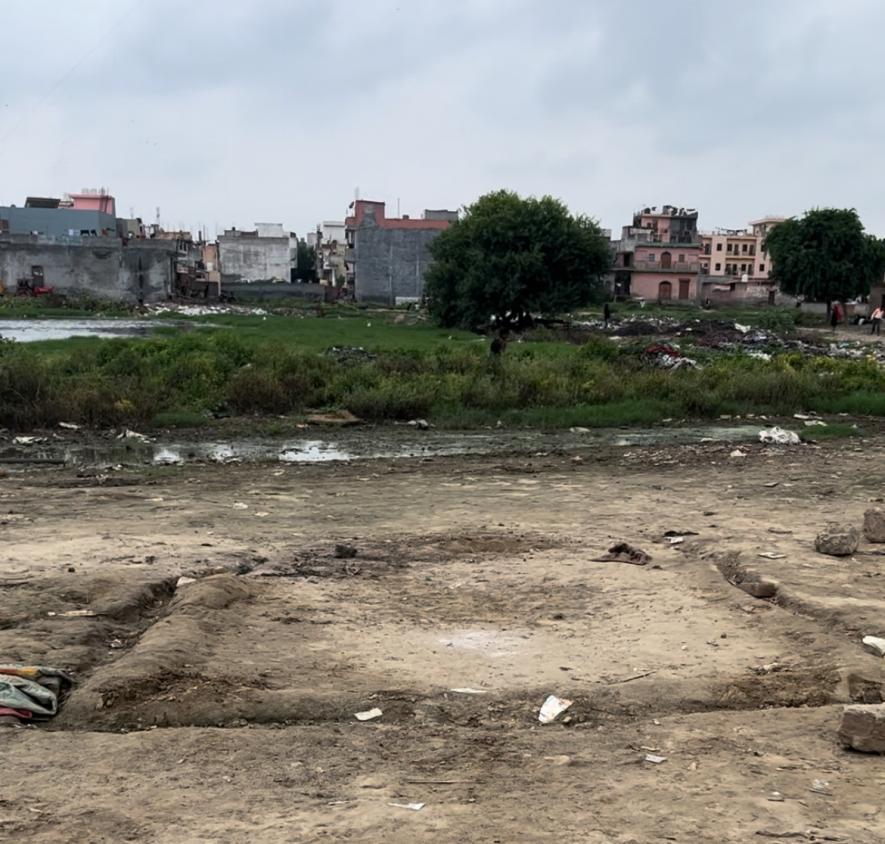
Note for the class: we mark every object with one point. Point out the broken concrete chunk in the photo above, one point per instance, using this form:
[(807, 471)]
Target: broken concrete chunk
[(759, 588), (874, 524), (863, 727), (837, 541), (874, 645)]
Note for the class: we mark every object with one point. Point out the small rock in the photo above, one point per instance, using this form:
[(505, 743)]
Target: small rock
[(837, 541), (759, 588), (345, 552), (874, 524), (874, 645), (863, 727)]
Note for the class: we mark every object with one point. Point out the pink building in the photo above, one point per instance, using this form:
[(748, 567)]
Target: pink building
[(735, 263), (90, 199), (665, 267), (665, 272)]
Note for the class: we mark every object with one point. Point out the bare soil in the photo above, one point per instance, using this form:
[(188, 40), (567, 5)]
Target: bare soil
[(223, 709)]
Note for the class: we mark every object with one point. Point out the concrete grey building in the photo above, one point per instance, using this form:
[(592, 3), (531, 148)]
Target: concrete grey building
[(50, 218), (388, 257), (267, 253), (101, 267)]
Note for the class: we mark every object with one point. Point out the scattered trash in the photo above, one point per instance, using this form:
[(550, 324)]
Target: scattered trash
[(676, 540), (874, 645), (128, 434), (771, 555), (577, 429), (778, 436), (72, 614), (412, 807), (837, 541), (863, 727), (184, 581), (368, 715), (772, 484), (769, 668), (654, 759), (775, 797), (165, 457), (820, 787), (468, 691), (811, 423), (239, 505), (552, 708), (420, 424), (27, 440), (738, 453), (623, 552), (742, 328), (345, 552), (32, 691), (69, 426)]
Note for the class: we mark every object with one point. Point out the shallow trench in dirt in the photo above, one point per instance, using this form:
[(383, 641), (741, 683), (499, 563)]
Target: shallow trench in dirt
[(447, 631)]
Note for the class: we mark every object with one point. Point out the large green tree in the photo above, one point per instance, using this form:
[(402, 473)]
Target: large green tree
[(510, 257), (306, 269), (825, 255)]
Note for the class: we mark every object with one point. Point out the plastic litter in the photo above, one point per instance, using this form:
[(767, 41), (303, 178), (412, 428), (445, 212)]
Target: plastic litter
[(412, 807), (183, 581), (623, 552), (654, 759), (69, 426), (812, 423), (874, 645), (239, 505), (771, 555), (469, 691), (778, 436), (128, 434), (552, 708), (368, 715)]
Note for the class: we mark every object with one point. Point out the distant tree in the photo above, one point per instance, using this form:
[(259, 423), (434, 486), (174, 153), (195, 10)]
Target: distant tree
[(825, 255), (307, 262), (508, 258)]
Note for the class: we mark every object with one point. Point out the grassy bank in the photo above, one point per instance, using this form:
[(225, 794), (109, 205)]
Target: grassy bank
[(182, 379)]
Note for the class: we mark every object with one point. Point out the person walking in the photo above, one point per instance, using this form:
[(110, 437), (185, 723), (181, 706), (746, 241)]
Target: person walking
[(876, 320), (606, 314)]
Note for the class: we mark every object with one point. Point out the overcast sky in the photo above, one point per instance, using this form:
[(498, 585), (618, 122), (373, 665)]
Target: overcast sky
[(227, 113)]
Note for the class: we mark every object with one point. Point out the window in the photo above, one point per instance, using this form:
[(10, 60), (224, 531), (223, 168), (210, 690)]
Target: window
[(762, 268), (682, 259), (718, 267), (651, 257), (718, 247), (729, 248), (744, 248), (752, 248)]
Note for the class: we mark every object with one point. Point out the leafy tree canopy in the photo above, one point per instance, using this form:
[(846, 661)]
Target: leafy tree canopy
[(509, 257), (825, 255), (306, 269)]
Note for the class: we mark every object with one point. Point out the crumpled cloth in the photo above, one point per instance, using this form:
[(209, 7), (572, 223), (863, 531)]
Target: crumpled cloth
[(33, 689)]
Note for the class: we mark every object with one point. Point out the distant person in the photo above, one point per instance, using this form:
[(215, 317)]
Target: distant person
[(835, 315), (606, 314), (876, 320)]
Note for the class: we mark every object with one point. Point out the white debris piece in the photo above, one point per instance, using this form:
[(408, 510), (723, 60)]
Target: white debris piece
[(742, 328), (412, 807), (183, 581), (874, 645), (239, 505), (654, 759), (738, 453), (778, 436), (128, 434), (811, 423), (368, 715), (552, 708), (26, 440), (468, 691), (69, 426)]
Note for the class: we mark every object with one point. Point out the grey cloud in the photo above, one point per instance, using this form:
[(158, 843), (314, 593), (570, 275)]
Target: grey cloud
[(229, 112)]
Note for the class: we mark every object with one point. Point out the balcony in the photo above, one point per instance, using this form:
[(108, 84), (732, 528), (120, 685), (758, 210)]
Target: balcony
[(675, 267)]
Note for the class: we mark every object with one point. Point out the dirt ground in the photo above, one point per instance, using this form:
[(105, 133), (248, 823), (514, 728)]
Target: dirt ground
[(223, 709)]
